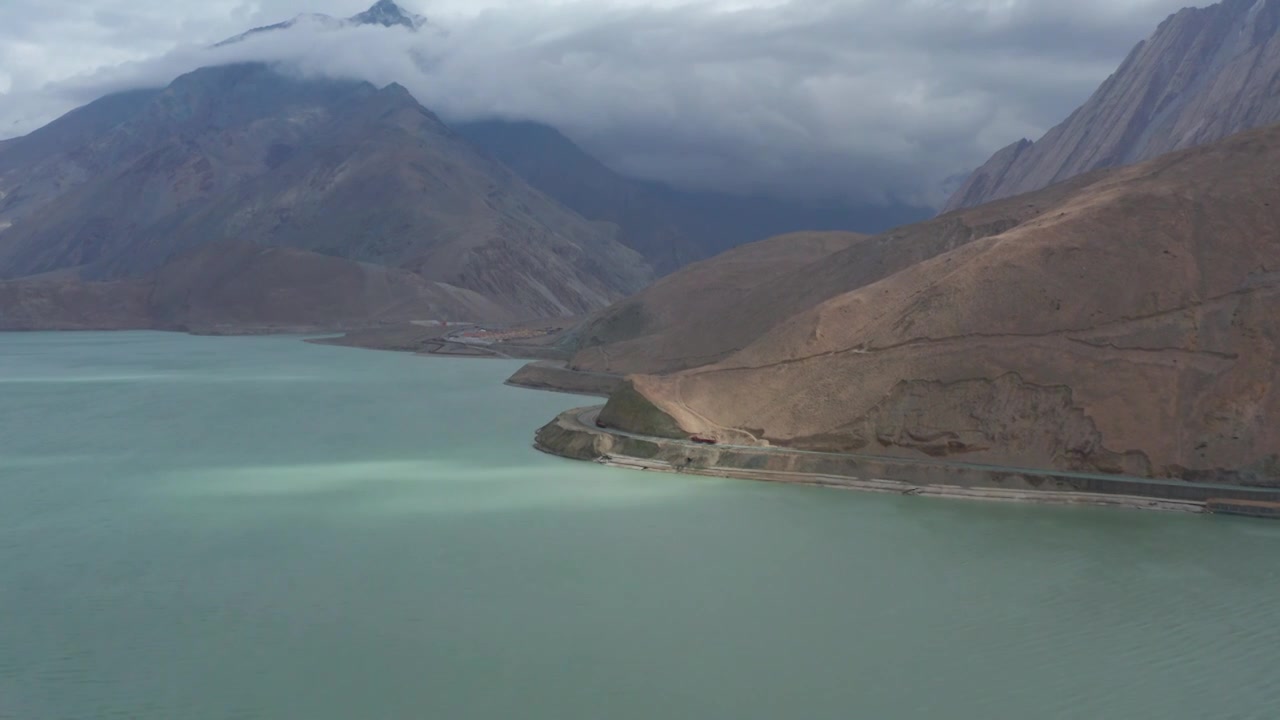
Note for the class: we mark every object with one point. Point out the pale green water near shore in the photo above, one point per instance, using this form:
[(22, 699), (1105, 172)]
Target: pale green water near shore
[(205, 528)]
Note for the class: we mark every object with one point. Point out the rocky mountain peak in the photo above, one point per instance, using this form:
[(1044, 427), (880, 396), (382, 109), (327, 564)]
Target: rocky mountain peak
[(385, 13), (388, 14), (1204, 74)]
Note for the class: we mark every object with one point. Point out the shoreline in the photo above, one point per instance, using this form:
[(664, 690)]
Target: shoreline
[(573, 435), (567, 436), (898, 487)]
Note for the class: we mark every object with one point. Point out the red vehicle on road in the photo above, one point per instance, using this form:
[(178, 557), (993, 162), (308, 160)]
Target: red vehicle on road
[(703, 440)]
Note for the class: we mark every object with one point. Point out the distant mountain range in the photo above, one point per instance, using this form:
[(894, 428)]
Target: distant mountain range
[(491, 221), (670, 227), (1205, 74), (242, 153)]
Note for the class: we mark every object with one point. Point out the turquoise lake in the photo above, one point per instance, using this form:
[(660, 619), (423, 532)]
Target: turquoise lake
[(232, 528)]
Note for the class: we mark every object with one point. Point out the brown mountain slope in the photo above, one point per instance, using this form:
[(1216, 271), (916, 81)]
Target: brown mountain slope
[(341, 168), (75, 129), (1134, 326), (714, 308), (61, 304), (1204, 75), (684, 320), (241, 287)]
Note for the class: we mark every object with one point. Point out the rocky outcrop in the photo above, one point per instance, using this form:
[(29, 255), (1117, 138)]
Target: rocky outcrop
[(1205, 74), (388, 14), (970, 418), (989, 181), (1130, 325)]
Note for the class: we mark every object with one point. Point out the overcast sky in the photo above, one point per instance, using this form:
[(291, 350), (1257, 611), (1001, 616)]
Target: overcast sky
[(869, 99)]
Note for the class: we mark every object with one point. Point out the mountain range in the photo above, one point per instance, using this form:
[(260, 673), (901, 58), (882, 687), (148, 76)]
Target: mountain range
[(1074, 311), (245, 153), (513, 212)]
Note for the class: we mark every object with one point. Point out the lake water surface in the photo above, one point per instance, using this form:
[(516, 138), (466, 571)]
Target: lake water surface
[(211, 528)]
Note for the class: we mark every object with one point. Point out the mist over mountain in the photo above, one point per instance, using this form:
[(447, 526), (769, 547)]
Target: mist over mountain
[(266, 155), (124, 187), (385, 13), (867, 103), (670, 227), (302, 151), (1205, 74), (1111, 320)]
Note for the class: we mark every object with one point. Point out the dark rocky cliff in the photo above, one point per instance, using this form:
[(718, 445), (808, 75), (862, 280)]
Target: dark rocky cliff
[(1205, 74)]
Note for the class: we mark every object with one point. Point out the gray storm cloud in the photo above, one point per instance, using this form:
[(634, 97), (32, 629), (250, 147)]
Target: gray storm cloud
[(862, 99)]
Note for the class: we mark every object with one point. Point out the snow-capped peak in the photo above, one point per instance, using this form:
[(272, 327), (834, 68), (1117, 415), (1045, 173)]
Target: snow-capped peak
[(384, 12), (388, 14)]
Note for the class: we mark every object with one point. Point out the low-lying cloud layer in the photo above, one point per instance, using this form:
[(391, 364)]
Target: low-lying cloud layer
[(864, 99)]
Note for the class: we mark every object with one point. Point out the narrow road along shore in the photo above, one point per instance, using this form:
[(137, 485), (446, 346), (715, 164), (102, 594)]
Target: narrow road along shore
[(574, 435), (897, 487)]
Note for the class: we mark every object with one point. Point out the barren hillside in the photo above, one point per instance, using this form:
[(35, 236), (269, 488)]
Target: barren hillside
[(1131, 326), (714, 308)]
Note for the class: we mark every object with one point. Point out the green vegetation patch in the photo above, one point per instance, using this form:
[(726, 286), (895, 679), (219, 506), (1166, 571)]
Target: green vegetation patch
[(631, 411)]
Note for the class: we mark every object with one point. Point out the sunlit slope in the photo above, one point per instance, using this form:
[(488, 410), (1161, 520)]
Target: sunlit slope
[(709, 310), (1131, 325)]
